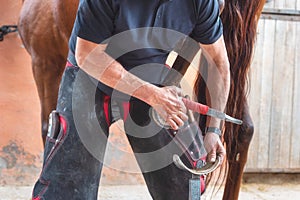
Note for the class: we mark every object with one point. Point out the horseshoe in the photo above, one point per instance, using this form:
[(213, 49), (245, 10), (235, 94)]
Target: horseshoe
[(206, 169)]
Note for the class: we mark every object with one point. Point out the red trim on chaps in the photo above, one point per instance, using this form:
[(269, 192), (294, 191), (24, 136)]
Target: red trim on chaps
[(202, 183), (167, 66), (106, 109), (126, 106), (36, 198), (68, 64), (63, 122)]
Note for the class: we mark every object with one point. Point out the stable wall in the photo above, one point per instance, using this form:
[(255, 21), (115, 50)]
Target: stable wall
[(274, 98)]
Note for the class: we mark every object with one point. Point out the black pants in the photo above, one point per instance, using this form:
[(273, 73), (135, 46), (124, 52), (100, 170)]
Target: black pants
[(72, 163)]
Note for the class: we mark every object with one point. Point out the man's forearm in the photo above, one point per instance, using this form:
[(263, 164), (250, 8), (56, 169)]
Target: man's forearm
[(218, 85), (218, 80), (94, 61)]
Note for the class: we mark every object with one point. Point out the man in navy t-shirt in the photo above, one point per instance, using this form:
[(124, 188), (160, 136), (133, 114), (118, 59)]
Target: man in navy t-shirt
[(118, 50)]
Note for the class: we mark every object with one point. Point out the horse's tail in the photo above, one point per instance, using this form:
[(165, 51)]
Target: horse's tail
[(240, 18)]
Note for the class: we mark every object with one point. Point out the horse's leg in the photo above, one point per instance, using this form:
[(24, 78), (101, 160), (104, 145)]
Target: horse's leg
[(48, 47), (47, 75), (238, 157)]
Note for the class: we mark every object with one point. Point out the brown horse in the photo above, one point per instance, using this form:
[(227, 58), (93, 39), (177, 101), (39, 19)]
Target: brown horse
[(45, 27)]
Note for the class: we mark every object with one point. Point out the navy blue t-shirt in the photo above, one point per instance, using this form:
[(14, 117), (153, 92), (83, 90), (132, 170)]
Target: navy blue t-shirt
[(141, 33)]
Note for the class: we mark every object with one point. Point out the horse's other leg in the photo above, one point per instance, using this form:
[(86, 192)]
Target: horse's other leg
[(237, 157)]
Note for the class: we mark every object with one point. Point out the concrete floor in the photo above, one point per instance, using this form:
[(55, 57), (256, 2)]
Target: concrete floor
[(249, 191)]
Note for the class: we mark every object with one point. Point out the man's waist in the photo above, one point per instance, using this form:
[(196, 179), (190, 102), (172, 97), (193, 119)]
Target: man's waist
[(71, 58)]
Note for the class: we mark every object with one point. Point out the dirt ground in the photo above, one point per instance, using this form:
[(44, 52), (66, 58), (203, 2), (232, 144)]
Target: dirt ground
[(249, 191), (254, 187)]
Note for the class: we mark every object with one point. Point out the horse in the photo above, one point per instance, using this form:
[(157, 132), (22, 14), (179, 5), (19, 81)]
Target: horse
[(240, 19), (45, 27)]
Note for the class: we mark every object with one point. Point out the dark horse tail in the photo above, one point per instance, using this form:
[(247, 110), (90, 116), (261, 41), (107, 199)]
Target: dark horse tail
[(240, 20)]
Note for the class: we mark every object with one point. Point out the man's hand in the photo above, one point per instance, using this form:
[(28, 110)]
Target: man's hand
[(167, 101), (214, 147)]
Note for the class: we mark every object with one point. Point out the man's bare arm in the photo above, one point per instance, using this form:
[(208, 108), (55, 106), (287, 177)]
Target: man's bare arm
[(92, 59), (218, 80), (218, 84)]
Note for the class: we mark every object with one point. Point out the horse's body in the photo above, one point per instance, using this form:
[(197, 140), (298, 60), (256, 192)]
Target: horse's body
[(45, 27)]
